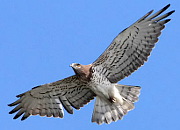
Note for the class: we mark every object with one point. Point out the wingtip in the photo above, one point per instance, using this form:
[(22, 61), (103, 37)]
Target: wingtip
[(150, 12), (164, 8), (10, 105), (172, 11), (15, 117), (11, 112), (167, 6), (167, 20), (23, 118), (169, 13)]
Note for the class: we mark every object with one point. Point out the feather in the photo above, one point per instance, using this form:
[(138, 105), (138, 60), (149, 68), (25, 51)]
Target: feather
[(143, 33), (47, 100)]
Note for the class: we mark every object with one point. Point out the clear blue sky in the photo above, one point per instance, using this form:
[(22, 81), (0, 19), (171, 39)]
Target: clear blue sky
[(40, 38)]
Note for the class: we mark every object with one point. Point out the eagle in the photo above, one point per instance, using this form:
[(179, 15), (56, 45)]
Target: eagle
[(127, 52)]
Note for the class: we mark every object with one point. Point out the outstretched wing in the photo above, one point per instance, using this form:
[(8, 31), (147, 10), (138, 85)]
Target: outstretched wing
[(47, 100), (131, 47)]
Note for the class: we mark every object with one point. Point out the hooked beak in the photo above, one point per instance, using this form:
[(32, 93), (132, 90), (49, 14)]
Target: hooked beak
[(71, 65)]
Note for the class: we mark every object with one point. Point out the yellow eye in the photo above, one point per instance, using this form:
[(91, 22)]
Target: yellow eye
[(78, 65)]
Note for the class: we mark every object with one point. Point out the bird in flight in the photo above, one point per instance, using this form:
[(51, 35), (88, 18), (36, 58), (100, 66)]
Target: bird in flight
[(127, 52)]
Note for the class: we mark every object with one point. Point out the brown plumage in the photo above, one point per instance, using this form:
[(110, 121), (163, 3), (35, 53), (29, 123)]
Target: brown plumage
[(82, 71)]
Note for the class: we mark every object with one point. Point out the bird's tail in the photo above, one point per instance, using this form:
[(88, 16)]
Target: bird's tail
[(106, 111)]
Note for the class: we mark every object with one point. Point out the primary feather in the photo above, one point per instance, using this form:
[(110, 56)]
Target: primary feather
[(131, 48), (127, 52)]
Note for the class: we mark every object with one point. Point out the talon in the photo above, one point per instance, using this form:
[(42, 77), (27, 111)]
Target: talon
[(113, 100)]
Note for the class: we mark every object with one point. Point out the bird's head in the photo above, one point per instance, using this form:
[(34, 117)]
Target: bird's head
[(81, 70), (75, 66)]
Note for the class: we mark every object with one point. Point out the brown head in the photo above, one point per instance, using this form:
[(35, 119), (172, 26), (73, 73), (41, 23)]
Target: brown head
[(83, 71)]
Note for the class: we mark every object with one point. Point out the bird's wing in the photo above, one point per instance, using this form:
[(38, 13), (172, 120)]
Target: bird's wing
[(131, 48), (47, 100)]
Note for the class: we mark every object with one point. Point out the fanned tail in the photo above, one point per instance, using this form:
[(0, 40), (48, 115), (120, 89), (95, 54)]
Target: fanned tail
[(130, 93), (107, 112)]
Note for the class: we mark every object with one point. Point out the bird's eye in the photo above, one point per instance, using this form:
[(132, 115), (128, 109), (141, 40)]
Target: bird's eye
[(78, 65)]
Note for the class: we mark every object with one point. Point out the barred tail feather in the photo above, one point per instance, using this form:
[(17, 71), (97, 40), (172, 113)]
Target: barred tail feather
[(107, 112), (104, 112), (130, 93)]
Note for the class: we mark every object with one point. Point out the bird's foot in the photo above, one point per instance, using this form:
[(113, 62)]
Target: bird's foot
[(113, 99)]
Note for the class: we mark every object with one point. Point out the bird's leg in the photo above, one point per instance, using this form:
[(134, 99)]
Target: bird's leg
[(112, 99)]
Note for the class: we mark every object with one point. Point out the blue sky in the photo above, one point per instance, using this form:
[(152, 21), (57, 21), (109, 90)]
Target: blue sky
[(40, 38)]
